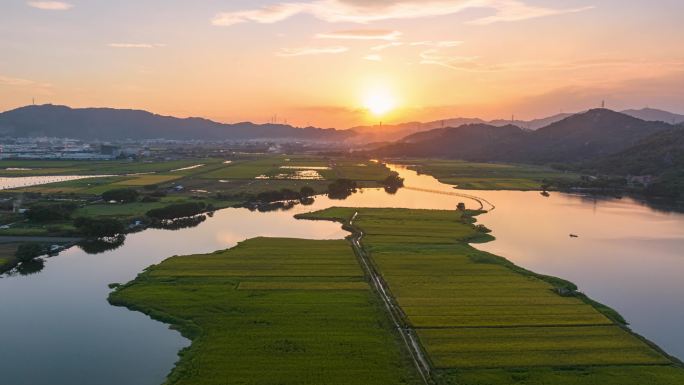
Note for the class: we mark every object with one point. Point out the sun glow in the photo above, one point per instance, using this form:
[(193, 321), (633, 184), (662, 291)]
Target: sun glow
[(379, 101)]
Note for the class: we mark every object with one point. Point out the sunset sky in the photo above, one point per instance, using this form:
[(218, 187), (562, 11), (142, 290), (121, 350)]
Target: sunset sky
[(339, 63)]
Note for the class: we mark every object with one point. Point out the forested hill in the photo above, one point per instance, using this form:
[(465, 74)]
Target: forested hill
[(114, 124)]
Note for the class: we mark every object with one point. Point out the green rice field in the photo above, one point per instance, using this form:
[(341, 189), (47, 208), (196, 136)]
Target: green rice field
[(272, 311), (481, 323)]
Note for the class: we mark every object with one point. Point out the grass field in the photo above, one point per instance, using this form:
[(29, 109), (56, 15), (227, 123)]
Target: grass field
[(482, 320), (272, 311), (488, 176)]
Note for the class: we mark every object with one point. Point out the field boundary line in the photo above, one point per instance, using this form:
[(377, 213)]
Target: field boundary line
[(406, 333)]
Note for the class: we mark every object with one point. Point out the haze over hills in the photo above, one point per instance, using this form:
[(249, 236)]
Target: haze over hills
[(115, 124), (589, 135), (655, 115), (393, 132)]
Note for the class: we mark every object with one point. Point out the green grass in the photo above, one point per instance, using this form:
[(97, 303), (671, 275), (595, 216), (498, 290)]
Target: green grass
[(272, 311), (597, 375), (489, 176), (475, 312)]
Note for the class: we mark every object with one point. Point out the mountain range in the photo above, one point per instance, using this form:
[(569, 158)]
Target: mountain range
[(589, 135), (118, 124), (115, 124)]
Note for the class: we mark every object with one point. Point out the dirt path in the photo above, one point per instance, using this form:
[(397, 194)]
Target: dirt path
[(407, 334)]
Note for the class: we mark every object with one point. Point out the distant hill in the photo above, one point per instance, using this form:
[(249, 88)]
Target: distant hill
[(115, 124), (660, 156), (588, 135), (592, 134), (653, 155), (393, 132), (533, 124), (477, 142), (654, 115)]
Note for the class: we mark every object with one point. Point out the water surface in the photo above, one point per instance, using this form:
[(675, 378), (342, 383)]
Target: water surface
[(56, 326)]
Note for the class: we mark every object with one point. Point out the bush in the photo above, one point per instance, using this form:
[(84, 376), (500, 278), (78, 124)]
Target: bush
[(99, 228), (124, 195), (29, 251), (179, 210), (51, 212), (150, 199)]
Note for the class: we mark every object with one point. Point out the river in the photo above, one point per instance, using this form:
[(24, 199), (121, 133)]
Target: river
[(57, 328)]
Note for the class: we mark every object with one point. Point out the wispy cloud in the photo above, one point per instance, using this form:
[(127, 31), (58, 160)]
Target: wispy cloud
[(304, 51), (357, 11), (136, 45), (512, 10), (37, 87), (50, 5), (362, 34), (373, 57)]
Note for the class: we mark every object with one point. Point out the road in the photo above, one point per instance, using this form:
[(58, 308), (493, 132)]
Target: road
[(407, 334)]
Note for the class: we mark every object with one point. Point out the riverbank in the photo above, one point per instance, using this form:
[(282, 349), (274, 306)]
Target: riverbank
[(480, 319)]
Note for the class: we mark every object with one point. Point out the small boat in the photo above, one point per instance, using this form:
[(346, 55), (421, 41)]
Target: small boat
[(574, 236)]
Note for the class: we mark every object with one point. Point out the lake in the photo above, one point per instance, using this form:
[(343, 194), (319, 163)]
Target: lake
[(57, 327)]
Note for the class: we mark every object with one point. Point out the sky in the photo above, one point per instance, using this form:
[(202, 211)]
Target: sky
[(341, 63)]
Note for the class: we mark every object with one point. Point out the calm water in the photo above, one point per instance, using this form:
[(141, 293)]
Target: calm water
[(56, 326), (27, 181)]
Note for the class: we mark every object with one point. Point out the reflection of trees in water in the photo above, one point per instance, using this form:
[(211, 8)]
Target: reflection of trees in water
[(31, 267), (264, 207), (308, 201), (99, 246), (180, 223), (391, 189)]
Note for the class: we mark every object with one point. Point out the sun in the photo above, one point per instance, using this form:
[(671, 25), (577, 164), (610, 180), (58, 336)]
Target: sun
[(379, 101)]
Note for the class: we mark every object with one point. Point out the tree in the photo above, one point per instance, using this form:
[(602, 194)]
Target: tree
[(179, 210), (393, 180), (51, 212), (29, 251), (306, 192), (341, 188), (123, 195), (99, 228)]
